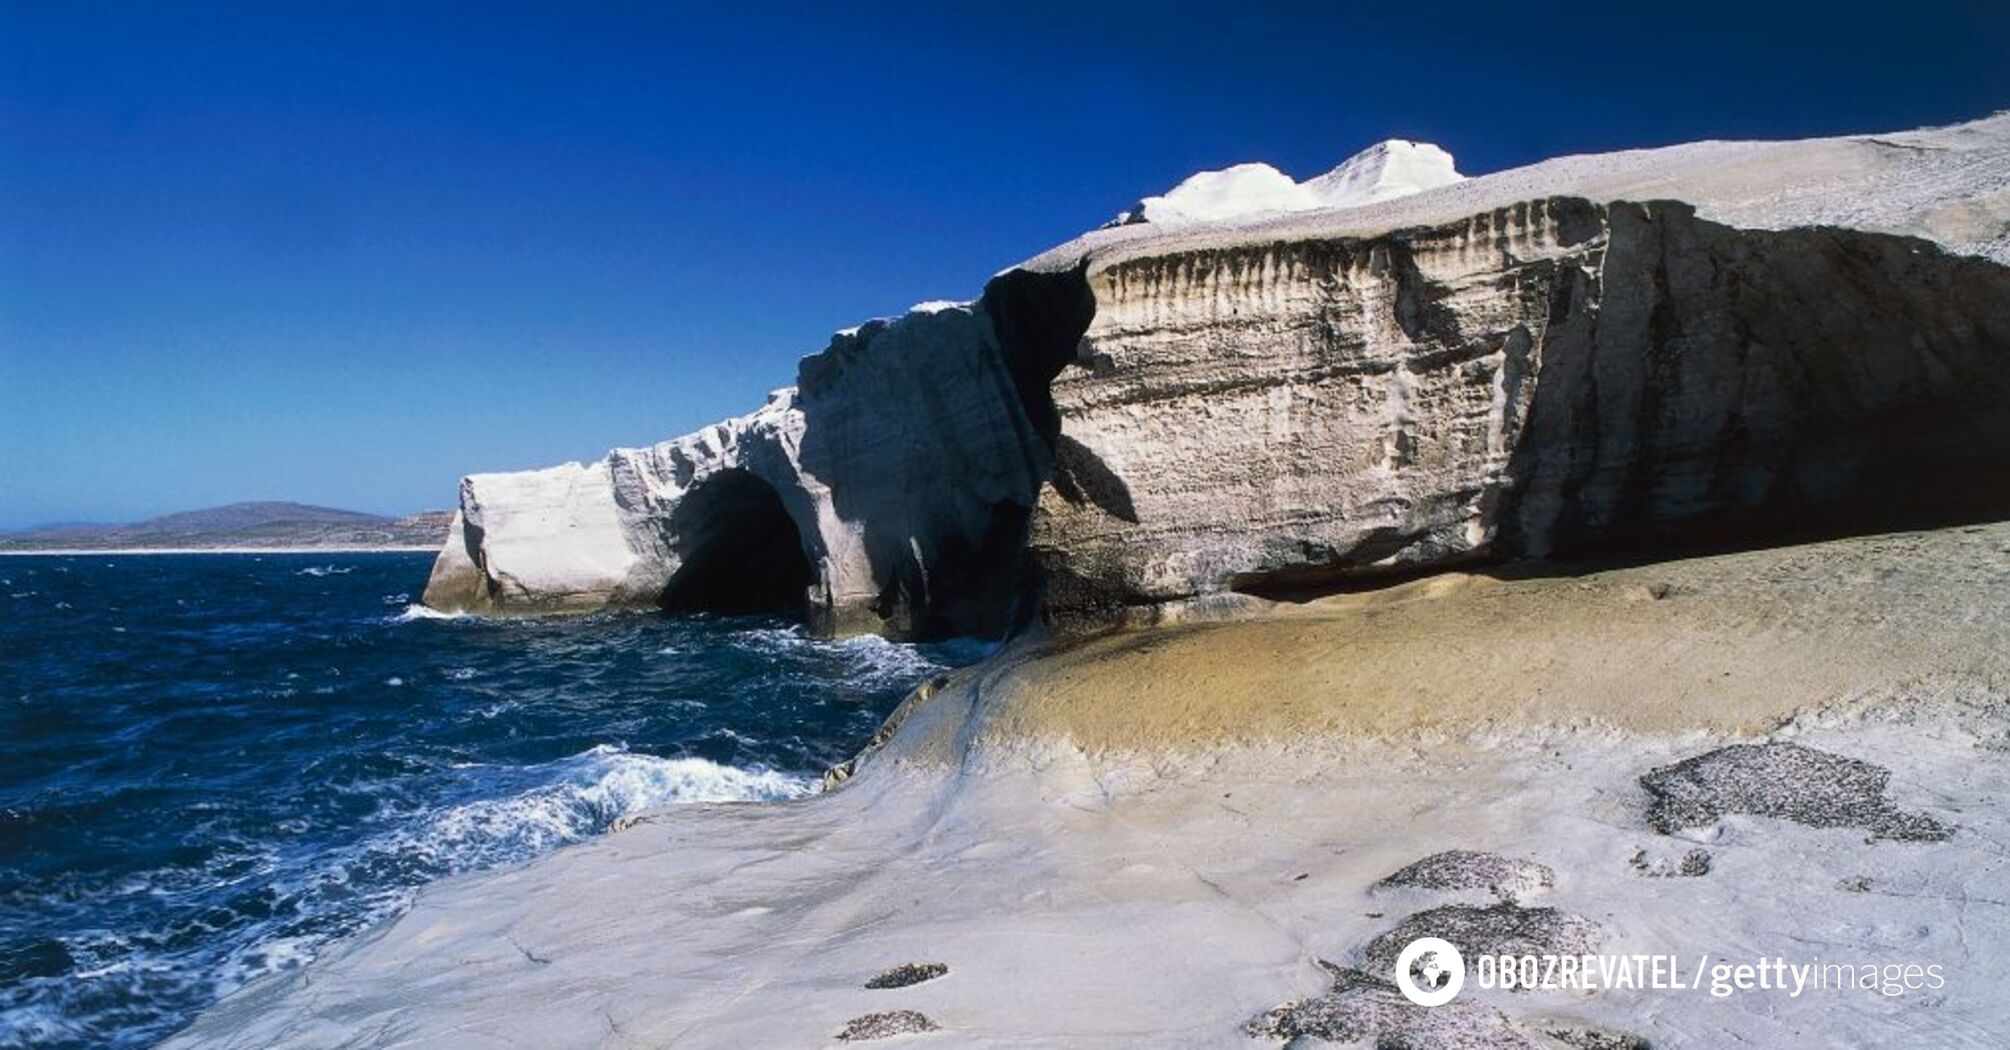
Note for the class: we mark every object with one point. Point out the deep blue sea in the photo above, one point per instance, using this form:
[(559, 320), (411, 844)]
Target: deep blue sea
[(211, 766)]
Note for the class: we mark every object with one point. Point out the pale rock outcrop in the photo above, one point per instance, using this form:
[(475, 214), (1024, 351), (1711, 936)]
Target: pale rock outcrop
[(1949, 184), (1384, 171), (1278, 386), (888, 491), (580, 537)]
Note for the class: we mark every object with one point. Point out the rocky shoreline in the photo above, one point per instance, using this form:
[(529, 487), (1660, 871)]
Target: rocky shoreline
[(1796, 751), (1599, 556), (1630, 352)]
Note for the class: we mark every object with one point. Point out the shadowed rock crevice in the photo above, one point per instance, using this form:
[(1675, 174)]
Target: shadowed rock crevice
[(739, 551), (1039, 318), (1081, 477), (1733, 387)]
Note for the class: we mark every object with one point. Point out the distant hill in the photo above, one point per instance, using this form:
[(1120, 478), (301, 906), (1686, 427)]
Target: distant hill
[(265, 525)]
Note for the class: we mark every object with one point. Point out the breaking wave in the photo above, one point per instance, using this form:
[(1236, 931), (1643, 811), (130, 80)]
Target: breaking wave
[(415, 611), (323, 750), (307, 904), (582, 796), (866, 660)]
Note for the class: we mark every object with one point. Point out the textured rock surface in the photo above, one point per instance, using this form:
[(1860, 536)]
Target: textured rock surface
[(1500, 929), (1949, 184), (1273, 398), (1786, 781), (1692, 864), (888, 491), (1363, 1009), (1463, 869), (886, 1025), (906, 975), (1556, 377), (1104, 872)]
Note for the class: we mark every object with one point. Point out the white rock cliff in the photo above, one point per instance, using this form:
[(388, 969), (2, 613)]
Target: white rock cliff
[(1261, 385), (879, 494)]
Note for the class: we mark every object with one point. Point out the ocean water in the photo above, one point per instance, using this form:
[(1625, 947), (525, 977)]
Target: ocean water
[(213, 765)]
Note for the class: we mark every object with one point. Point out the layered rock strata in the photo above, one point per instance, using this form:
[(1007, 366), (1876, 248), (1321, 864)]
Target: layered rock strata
[(1552, 378), (1527, 364)]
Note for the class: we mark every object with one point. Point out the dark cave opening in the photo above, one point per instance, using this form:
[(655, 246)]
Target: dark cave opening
[(740, 549)]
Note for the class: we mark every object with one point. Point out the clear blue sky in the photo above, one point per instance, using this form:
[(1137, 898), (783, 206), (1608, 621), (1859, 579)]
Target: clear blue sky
[(345, 253)]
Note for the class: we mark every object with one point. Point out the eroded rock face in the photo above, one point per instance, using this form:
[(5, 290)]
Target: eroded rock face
[(1554, 378), (1289, 399), (888, 491)]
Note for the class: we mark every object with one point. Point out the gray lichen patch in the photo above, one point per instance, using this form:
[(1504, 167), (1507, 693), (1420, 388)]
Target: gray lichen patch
[(1463, 869), (1361, 1008), (1693, 864), (1580, 1037), (883, 1025), (1501, 929), (1786, 781), (906, 974)]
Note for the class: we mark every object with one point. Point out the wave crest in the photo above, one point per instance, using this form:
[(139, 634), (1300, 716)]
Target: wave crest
[(415, 611), (582, 796)]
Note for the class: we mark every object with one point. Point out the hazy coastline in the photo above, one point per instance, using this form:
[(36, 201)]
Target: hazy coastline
[(79, 551)]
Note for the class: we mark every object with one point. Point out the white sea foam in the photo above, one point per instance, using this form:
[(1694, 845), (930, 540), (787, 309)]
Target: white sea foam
[(874, 660), (326, 570), (415, 611), (572, 799), (589, 793)]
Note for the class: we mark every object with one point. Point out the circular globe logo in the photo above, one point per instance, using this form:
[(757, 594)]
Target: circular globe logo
[(1430, 971)]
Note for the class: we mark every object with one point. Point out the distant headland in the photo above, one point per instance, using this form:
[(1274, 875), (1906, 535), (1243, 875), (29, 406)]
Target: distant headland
[(257, 526)]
